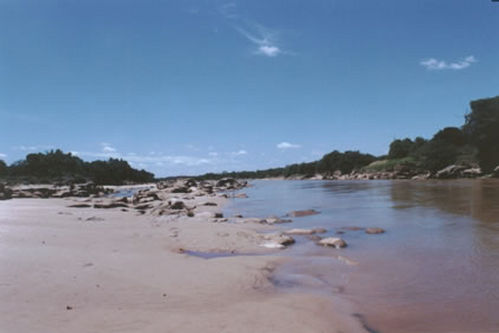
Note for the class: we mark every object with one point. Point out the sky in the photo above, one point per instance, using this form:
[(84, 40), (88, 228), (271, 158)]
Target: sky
[(194, 86)]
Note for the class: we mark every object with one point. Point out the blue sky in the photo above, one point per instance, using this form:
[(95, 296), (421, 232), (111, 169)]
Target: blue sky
[(186, 87)]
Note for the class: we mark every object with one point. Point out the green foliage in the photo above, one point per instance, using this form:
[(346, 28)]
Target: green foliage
[(400, 148), (3, 168), (482, 128), (438, 154), (56, 165), (345, 162), (451, 135), (390, 164)]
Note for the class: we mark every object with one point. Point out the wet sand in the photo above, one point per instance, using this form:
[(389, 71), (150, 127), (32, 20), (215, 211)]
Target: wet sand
[(107, 270)]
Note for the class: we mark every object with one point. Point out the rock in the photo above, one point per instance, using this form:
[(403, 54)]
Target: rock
[(94, 218), (314, 238), (5, 192), (275, 220), (452, 171), (423, 176), (110, 205), (81, 205), (143, 206), (254, 220), (278, 241), (472, 172), (354, 228), (190, 183), (228, 183), (333, 242), (301, 213), (304, 231), (210, 204), (373, 231), (495, 173), (176, 204), (181, 189), (241, 196), (218, 215)]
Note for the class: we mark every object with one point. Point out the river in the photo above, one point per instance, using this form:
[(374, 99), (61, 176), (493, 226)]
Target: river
[(435, 269)]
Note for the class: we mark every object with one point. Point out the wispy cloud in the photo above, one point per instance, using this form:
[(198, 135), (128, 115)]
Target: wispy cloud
[(435, 64), (228, 10), (287, 145), (3, 155), (264, 39)]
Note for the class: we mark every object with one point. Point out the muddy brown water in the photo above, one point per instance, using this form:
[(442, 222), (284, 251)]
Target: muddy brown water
[(436, 269)]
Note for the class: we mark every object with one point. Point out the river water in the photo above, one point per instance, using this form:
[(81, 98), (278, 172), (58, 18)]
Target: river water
[(435, 269)]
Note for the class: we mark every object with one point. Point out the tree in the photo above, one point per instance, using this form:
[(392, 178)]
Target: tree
[(3, 168), (451, 135), (400, 148), (438, 154), (482, 129)]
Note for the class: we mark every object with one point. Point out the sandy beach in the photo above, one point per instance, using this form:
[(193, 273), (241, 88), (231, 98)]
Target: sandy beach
[(66, 269)]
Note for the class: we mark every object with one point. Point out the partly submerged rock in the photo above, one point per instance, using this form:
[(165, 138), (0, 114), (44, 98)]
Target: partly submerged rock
[(333, 242), (301, 213), (275, 220), (373, 231), (277, 241), (298, 231)]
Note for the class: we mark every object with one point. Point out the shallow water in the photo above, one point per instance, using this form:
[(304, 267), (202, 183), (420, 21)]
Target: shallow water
[(436, 269)]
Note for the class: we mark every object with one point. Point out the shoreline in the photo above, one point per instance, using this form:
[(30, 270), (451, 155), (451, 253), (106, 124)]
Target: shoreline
[(91, 269)]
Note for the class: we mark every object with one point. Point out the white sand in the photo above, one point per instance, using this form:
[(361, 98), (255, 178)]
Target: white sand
[(119, 272)]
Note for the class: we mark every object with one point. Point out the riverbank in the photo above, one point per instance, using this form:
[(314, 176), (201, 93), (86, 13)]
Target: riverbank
[(101, 265)]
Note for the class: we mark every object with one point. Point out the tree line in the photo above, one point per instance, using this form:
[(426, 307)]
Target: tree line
[(57, 166), (476, 143)]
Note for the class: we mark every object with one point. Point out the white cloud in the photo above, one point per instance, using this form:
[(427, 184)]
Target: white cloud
[(269, 50), (3, 155), (33, 148), (240, 152), (287, 145), (264, 38), (434, 64), (107, 148), (213, 154)]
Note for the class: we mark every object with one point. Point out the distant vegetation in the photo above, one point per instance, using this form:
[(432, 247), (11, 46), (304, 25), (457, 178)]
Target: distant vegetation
[(474, 144), (56, 166)]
